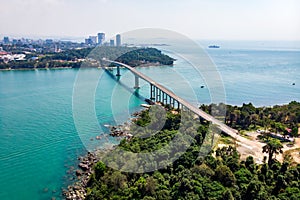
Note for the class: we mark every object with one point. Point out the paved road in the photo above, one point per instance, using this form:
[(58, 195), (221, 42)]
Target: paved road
[(226, 129)]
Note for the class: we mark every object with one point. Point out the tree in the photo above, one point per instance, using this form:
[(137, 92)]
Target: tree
[(294, 132), (227, 195), (273, 146), (224, 175), (100, 169), (255, 190)]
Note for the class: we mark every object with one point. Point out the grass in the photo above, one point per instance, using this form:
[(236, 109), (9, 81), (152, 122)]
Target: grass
[(225, 140), (244, 134)]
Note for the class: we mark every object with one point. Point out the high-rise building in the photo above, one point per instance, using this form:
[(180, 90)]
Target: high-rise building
[(5, 40), (93, 39), (118, 40), (101, 38), (111, 43), (88, 41), (49, 41)]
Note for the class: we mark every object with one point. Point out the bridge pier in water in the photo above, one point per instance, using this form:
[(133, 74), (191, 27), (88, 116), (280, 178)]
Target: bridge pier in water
[(118, 71), (137, 84)]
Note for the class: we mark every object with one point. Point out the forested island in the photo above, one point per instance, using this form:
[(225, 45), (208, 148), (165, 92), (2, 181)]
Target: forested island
[(221, 174), (74, 58)]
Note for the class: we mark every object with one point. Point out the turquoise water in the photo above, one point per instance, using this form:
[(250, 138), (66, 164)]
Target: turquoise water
[(39, 140)]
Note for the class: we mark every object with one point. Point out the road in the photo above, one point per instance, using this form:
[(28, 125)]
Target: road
[(226, 129)]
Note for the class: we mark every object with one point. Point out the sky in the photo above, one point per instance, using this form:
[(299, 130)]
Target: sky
[(197, 19)]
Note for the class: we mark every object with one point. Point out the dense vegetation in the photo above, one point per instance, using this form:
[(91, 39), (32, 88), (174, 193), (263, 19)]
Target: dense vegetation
[(144, 56), (218, 175), (247, 117), (73, 58)]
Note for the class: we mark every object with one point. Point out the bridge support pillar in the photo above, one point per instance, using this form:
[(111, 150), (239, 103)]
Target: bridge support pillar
[(159, 95), (137, 85), (152, 92), (178, 105), (173, 103), (165, 99), (118, 71)]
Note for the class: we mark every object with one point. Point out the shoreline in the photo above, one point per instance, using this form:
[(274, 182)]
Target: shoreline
[(83, 171), (57, 68), (33, 69)]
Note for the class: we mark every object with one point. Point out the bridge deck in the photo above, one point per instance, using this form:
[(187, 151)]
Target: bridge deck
[(226, 129)]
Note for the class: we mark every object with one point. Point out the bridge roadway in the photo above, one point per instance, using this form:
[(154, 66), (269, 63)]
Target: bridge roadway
[(226, 129)]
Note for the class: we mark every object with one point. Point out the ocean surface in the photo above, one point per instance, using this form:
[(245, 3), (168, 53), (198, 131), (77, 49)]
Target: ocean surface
[(40, 141)]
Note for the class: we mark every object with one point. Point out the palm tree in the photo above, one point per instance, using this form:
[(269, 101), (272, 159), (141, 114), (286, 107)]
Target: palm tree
[(272, 147)]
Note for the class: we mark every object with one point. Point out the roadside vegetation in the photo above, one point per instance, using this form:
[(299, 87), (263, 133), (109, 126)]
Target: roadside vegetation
[(282, 119)]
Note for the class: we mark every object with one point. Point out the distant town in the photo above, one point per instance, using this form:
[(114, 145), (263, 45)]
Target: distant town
[(28, 49), (26, 54)]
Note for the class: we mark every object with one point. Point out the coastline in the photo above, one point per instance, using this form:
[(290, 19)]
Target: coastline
[(82, 173), (58, 68), (84, 169), (32, 69)]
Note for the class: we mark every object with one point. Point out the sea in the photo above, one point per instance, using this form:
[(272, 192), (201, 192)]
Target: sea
[(41, 110)]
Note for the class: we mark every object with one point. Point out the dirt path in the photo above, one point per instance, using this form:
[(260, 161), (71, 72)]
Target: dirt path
[(253, 147)]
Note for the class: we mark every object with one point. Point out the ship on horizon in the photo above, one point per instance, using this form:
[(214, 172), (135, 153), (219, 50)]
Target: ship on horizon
[(213, 46)]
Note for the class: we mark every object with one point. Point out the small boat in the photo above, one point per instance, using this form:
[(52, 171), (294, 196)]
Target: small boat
[(213, 46), (145, 105), (202, 86), (294, 84)]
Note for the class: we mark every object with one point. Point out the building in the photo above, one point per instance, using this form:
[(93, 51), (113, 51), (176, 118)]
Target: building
[(118, 40), (14, 41), (101, 38), (93, 39), (49, 41), (112, 43), (6, 40), (88, 41)]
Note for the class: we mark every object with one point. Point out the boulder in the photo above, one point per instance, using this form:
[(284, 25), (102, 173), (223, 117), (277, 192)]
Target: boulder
[(83, 166), (78, 172)]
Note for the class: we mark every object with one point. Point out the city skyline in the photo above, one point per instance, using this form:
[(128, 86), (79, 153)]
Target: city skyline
[(218, 20)]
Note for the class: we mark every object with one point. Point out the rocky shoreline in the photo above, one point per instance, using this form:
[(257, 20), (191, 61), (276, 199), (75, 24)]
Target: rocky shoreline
[(77, 191), (84, 170)]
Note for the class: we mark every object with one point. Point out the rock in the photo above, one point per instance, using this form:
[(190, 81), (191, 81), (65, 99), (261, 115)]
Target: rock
[(76, 187), (79, 172), (83, 166), (98, 137)]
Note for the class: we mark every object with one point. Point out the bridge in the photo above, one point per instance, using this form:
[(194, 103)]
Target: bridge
[(164, 95)]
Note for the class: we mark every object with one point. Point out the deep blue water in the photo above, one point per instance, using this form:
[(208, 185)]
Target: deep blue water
[(40, 141)]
